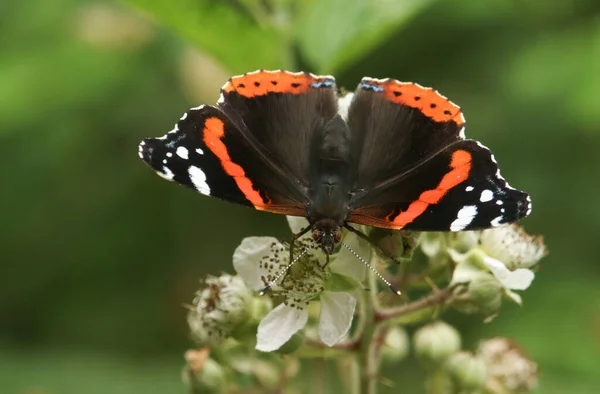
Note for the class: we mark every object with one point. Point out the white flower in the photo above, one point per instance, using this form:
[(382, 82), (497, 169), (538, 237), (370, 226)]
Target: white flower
[(507, 252), (509, 368), (221, 306), (511, 245), (259, 259)]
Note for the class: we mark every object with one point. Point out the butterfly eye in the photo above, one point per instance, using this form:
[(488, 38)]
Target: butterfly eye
[(337, 236), (316, 235)]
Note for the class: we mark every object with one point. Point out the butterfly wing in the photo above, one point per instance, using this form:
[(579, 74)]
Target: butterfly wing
[(427, 177), (281, 111), (252, 150), (206, 152)]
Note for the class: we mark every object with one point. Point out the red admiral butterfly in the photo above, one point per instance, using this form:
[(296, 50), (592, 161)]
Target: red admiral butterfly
[(396, 158)]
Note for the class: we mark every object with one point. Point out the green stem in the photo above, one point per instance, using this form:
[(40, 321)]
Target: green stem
[(438, 382), (368, 358), (417, 311)]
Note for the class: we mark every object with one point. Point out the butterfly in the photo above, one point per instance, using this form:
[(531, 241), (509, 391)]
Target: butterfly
[(391, 155)]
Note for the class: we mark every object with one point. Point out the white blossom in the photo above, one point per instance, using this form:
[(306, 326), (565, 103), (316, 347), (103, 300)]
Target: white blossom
[(258, 260)]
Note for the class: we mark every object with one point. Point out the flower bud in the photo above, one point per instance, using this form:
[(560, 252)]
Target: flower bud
[(509, 368), (398, 244), (463, 241), (219, 309), (434, 246), (396, 345), (484, 292), (260, 307), (267, 374), (203, 374), (435, 342), (467, 371)]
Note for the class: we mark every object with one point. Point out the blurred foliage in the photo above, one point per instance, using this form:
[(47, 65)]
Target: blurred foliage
[(98, 254)]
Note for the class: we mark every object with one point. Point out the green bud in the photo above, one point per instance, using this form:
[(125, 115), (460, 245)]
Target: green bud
[(467, 371), (435, 342), (266, 374), (399, 244), (203, 374), (261, 306), (483, 293), (396, 345), (463, 241)]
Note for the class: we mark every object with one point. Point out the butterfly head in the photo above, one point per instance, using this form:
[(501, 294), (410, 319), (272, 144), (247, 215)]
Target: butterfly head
[(327, 233)]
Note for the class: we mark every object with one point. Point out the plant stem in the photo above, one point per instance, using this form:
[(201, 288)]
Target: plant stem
[(416, 311), (368, 342)]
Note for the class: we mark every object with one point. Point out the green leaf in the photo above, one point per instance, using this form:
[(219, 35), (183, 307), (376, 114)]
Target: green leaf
[(333, 33), (231, 35)]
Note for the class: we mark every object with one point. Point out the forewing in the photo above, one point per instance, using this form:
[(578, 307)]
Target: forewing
[(208, 153), (278, 112), (397, 125)]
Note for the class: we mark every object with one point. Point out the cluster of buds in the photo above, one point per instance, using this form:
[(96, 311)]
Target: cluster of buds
[(498, 366), (313, 302)]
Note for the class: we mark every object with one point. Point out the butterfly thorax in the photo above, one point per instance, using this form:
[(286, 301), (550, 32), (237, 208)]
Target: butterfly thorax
[(330, 182)]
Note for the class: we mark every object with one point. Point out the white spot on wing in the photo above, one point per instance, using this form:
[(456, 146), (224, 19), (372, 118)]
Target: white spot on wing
[(182, 152), (469, 188), (464, 217), (499, 202), (486, 195), (200, 151), (169, 154), (198, 178), (496, 221), (166, 173), (140, 154), (184, 116)]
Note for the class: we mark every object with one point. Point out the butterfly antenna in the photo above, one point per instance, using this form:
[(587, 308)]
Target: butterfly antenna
[(280, 274), (387, 282)]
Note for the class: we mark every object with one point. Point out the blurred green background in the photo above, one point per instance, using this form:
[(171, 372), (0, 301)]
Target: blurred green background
[(98, 254)]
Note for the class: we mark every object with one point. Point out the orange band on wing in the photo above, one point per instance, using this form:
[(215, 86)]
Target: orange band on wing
[(260, 83), (213, 132), (461, 167), (427, 100)]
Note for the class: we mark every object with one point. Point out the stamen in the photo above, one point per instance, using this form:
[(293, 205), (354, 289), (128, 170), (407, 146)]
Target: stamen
[(280, 274), (392, 288)]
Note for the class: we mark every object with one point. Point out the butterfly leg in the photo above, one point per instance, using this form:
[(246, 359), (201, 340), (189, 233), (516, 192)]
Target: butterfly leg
[(370, 241)]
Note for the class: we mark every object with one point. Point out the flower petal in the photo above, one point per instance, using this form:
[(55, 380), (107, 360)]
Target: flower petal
[(346, 263), (337, 311), (513, 246), (297, 224), (519, 279), (247, 256), (278, 326), (516, 298)]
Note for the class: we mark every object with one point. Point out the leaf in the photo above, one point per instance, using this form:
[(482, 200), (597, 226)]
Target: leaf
[(332, 33), (228, 33)]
